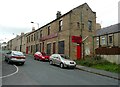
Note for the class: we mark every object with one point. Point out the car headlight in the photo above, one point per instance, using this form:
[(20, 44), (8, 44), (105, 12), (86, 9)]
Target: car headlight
[(43, 57), (75, 63)]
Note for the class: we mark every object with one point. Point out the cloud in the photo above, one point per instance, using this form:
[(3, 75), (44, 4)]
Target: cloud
[(16, 15)]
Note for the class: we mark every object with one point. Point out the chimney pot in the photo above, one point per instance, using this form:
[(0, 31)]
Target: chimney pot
[(33, 28), (58, 14)]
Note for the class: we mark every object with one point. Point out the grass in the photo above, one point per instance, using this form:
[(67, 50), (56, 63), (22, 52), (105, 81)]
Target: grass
[(99, 63)]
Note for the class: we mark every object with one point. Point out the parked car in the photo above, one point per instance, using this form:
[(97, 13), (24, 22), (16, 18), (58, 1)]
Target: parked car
[(41, 56), (15, 57), (62, 60)]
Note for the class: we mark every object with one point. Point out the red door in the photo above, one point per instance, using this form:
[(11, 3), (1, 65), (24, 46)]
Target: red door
[(79, 52), (26, 50)]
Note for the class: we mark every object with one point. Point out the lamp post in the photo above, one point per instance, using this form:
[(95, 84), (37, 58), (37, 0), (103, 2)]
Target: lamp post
[(35, 47), (36, 23)]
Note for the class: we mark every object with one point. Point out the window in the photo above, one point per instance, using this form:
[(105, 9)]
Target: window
[(78, 25), (31, 37), (27, 39), (40, 33), (48, 30), (40, 47), (103, 40), (60, 25), (61, 47), (89, 25), (110, 39), (37, 35), (97, 40), (49, 48), (34, 37), (54, 47), (43, 47), (37, 47)]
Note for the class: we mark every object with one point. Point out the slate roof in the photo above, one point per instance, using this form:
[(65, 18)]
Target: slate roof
[(108, 30)]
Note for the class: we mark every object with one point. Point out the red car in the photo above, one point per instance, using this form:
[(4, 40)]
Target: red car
[(41, 56)]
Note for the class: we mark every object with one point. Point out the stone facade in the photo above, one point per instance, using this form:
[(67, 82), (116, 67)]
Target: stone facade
[(56, 36)]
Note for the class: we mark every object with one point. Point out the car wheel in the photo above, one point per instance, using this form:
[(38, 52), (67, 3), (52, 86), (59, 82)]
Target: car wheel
[(61, 65), (8, 61), (51, 62), (5, 60), (22, 63), (34, 58), (38, 59)]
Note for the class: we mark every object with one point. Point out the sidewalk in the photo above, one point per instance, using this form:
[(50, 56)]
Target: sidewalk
[(99, 72)]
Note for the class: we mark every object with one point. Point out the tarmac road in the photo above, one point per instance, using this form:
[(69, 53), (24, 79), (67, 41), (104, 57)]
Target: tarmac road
[(35, 72)]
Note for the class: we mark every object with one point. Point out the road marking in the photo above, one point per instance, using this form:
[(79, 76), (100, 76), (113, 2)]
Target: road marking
[(11, 73)]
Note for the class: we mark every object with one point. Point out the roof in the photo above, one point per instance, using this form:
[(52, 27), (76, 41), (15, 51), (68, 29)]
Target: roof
[(60, 17), (108, 30)]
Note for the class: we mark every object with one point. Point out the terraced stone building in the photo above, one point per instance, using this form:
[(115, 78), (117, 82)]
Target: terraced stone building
[(56, 36)]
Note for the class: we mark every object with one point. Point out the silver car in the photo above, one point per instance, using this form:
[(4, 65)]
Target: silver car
[(62, 61), (15, 57)]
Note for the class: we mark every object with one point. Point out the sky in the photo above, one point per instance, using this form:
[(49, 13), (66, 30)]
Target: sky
[(16, 15)]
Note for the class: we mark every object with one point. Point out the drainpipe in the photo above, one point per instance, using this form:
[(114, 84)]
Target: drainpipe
[(82, 44), (93, 44), (70, 36)]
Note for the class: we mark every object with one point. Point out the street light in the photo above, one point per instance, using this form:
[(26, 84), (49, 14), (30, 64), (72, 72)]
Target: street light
[(36, 23)]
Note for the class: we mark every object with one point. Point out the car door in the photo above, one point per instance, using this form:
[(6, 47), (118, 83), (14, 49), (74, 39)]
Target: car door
[(57, 59), (53, 58)]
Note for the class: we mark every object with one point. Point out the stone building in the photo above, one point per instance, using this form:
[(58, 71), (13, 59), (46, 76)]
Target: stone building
[(56, 36), (9, 44), (18, 43), (108, 43)]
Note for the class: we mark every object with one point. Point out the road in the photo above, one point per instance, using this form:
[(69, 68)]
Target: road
[(35, 72)]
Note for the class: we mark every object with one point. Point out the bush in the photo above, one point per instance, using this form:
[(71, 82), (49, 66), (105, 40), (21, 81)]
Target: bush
[(99, 63), (97, 58)]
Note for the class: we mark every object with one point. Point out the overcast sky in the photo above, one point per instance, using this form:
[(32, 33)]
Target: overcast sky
[(16, 15)]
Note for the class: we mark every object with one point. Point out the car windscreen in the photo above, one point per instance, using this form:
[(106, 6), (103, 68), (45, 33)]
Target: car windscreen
[(18, 53), (44, 54), (37, 53), (65, 57)]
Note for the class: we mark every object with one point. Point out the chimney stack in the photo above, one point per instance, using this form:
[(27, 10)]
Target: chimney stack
[(58, 14), (98, 26), (22, 33), (33, 28)]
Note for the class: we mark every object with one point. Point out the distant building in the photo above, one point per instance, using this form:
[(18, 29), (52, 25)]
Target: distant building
[(108, 43), (18, 43), (3, 46)]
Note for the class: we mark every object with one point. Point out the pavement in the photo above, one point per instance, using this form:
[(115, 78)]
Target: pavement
[(99, 72)]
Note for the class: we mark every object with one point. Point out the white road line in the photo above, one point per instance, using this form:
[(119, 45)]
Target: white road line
[(11, 73)]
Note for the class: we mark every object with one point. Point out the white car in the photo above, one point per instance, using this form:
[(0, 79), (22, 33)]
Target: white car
[(15, 57), (62, 61)]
